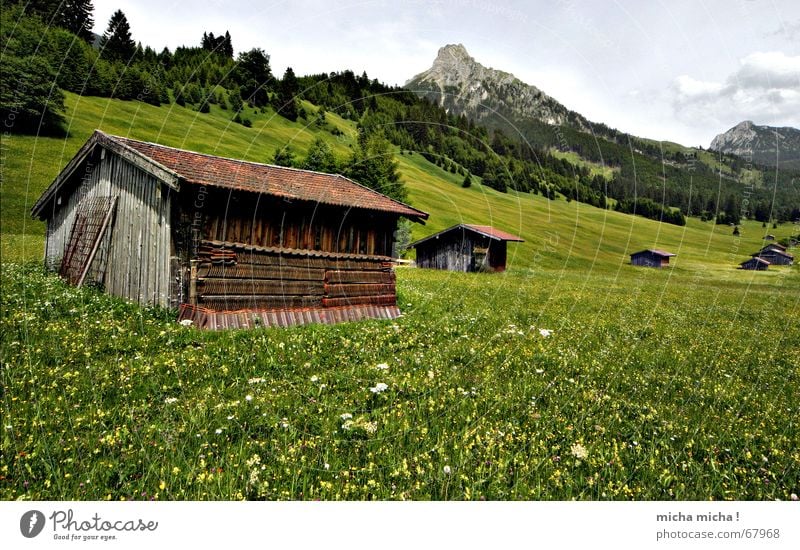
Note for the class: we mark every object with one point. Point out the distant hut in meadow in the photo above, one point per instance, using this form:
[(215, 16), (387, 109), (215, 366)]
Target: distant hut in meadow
[(227, 242), (755, 263), (774, 246), (651, 257), (465, 247), (775, 254), (769, 238)]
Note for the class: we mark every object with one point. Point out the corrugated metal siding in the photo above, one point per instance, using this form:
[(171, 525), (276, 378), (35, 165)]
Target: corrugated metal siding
[(215, 320), (139, 249)]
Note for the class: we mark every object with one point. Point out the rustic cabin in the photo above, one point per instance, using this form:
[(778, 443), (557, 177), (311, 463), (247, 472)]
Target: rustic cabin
[(774, 246), (755, 263), (229, 243), (465, 247), (774, 255), (769, 238), (651, 258)]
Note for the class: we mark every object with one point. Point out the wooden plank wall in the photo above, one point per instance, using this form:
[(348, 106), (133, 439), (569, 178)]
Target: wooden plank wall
[(266, 222), (233, 276), (138, 257)]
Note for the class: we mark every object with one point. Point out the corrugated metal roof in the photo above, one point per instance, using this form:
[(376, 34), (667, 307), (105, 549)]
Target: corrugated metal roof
[(757, 260), (216, 320), (655, 251), (485, 230)]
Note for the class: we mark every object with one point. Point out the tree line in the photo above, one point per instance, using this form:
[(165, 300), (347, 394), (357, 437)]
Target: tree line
[(50, 42)]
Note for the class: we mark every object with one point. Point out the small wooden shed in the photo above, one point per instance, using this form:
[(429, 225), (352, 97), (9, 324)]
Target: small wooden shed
[(755, 263), (465, 247), (228, 242), (775, 255), (651, 257)]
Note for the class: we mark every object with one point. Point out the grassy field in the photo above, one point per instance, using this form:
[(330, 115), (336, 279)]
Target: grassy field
[(505, 387), (572, 375)]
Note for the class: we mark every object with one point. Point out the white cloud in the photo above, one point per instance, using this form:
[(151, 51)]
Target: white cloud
[(690, 87), (765, 88)]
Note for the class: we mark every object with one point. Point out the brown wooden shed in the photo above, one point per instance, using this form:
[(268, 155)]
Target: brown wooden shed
[(775, 255), (228, 242), (651, 258), (465, 247), (755, 264)]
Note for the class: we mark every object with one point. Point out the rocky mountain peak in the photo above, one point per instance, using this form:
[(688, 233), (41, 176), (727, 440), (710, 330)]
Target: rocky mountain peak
[(762, 144), (460, 84), (453, 53)]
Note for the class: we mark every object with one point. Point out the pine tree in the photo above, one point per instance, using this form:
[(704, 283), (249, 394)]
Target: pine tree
[(116, 43), (76, 17), (320, 157), (467, 181), (286, 99), (284, 156), (372, 164), (227, 46)]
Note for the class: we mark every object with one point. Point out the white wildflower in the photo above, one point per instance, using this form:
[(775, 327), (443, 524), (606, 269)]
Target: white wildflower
[(170, 400), (187, 322), (370, 427), (327, 466), (545, 332), (346, 416), (446, 470), (579, 451), (248, 397), (379, 387), (314, 378), (256, 381), (284, 422), (218, 431), (382, 366)]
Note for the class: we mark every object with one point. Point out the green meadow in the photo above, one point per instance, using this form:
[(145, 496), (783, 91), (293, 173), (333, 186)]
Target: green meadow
[(571, 376)]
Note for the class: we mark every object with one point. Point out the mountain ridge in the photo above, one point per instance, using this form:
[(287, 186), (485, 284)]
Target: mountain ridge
[(462, 85), (768, 145)]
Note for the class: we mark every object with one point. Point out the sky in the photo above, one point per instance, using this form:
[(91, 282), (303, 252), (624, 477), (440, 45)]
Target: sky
[(677, 70)]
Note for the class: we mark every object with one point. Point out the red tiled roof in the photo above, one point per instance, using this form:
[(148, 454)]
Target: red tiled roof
[(490, 231), (484, 230), (656, 251), (290, 183)]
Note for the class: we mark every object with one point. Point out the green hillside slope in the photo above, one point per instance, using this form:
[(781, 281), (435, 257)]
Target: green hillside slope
[(558, 234)]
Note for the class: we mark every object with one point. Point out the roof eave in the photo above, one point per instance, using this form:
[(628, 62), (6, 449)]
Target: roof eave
[(160, 172)]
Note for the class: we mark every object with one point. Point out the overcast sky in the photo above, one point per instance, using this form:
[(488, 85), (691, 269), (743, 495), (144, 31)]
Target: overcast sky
[(672, 70)]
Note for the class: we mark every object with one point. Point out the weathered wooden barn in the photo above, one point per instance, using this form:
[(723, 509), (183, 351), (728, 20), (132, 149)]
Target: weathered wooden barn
[(465, 247), (775, 255), (228, 242), (651, 258), (755, 263)]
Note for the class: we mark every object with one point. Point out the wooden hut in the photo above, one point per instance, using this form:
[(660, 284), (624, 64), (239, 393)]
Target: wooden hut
[(465, 247), (774, 246), (755, 263), (775, 255), (228, 242), (651, 258)]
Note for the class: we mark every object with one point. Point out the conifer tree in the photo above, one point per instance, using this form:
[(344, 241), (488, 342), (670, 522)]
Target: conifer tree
[(116, 44)]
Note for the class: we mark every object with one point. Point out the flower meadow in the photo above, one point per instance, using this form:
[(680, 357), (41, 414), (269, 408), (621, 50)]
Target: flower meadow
[(632, 387)]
